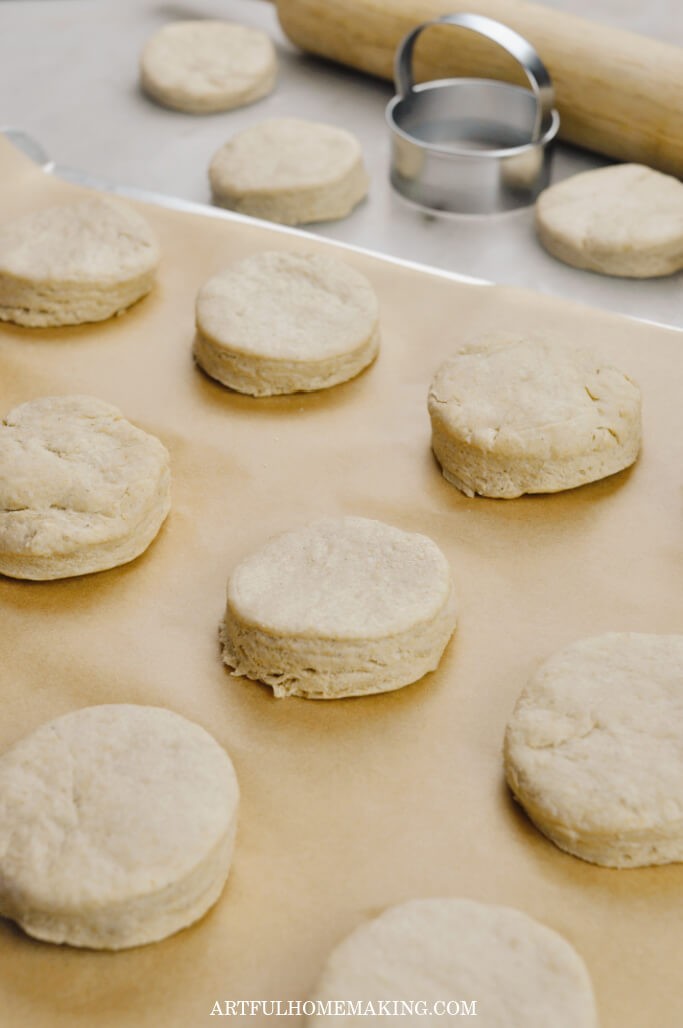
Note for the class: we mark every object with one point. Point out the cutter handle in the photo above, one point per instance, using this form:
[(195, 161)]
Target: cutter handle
[(510, 41), (616, 92)]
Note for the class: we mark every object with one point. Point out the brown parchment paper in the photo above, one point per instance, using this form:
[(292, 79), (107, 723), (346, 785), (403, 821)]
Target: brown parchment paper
[(353, 805)]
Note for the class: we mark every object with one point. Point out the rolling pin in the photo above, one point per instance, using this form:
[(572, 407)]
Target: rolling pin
[(616, 92)]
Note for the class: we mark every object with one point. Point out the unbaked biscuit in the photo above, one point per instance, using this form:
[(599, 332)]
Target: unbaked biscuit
[(286, 323), (513, 415), (117, 826), (206, 66), (74, 263), (594, 749), (623, 220), (342, 607), (81, 489), (455, 957), (290, 171)]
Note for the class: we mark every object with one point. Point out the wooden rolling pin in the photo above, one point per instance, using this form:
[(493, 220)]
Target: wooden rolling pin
[(618, 93)]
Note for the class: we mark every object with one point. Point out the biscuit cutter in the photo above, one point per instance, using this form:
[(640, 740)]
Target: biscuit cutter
[(472, 145)]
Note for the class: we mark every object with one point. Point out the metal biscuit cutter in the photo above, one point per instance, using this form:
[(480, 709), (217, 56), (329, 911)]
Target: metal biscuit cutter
[(470, 145)]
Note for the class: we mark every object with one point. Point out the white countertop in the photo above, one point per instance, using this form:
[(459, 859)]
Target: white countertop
[(68, 77)]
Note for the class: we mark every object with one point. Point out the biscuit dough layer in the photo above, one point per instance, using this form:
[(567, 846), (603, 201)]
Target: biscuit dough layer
[(342, 607), (594, 749), (117, 826), (79, 262), (286, 322), (81, 488), (290, 171), (507, 968), (512, 416), (623, 220), (206, 66)]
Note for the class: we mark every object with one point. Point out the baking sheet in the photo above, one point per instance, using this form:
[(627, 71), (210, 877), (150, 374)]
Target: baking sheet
[(353, 805)]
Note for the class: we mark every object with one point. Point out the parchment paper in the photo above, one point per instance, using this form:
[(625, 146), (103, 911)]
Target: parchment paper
[(353, 805)]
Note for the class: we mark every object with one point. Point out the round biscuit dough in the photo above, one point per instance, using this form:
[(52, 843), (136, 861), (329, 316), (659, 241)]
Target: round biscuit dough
[(624, 220), (342, 607), (78, 262), (286, 322), (508, 969), (81, 488), (512, 416), (206, 66), (290, 171), (117, 826), (594, 749)]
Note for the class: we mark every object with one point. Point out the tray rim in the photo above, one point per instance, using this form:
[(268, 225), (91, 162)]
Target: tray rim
[(34, 150)]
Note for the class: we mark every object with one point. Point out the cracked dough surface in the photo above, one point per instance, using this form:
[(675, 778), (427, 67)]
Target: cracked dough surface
[(81, 488), (512, 416), (286, 322), (623, 220), (74, 263), (519, 973), (205, 66), (342, 607), (290, 171), (594, 749), (117, 826)]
